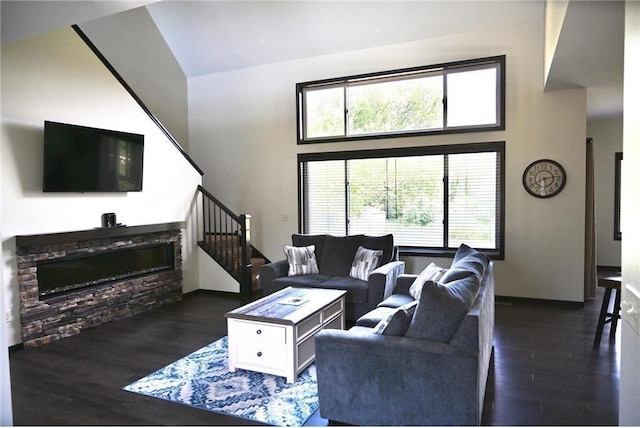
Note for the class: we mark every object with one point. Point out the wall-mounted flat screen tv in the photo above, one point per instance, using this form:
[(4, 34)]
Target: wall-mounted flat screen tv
[(82, 159)]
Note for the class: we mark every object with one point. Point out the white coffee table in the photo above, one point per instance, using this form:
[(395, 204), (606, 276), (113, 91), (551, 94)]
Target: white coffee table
[(275, 334)]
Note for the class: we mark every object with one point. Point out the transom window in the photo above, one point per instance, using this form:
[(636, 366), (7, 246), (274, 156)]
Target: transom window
[(464, 96), (431, 199)]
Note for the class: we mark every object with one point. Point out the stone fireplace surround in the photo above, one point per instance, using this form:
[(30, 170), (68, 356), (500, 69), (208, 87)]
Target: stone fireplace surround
[(48, 318)]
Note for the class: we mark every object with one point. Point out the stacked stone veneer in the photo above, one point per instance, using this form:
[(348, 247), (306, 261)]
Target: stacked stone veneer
[(45, 319)]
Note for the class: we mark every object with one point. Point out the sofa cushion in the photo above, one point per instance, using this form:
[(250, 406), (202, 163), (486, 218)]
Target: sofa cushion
[(338, 254), (357, 289), (467, 258), (359, 330), (395, 301), (397, 322), (298, 281), (442, 308), (374, 316), (384, 243), (302, 260), (432, 272), (364, 262), (299, 240)]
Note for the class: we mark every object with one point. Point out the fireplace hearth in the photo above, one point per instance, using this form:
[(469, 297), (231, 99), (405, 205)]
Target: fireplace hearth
[(75, 280)]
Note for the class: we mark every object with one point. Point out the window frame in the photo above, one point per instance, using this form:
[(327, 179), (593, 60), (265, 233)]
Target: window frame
[(488, 62), (497, 146)]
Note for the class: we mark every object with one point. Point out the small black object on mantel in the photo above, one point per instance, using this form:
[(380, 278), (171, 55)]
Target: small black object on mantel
[(109, 220)]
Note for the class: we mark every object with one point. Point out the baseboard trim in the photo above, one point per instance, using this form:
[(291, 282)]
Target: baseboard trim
[(16, 348), (255, 295), (507, 300)]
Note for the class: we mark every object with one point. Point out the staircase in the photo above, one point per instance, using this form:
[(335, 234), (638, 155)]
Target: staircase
[(227, 239), (226, 236), (226, 249)]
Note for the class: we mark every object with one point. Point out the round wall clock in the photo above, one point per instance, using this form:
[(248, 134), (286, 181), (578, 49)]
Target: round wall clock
[(544, 178)]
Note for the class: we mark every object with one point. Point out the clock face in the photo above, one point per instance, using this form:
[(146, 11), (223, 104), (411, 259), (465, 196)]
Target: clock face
[(544, 178)]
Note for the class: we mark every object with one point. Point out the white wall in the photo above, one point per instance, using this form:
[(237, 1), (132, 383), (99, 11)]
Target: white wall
[(6, 411), (629, 413), (555, 12), (56, 77), (607, 140), (132, 43), (243, 133), (213, 276)]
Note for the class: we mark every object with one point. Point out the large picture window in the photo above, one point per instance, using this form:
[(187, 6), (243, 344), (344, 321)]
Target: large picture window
[(431, 199), (464, 96)]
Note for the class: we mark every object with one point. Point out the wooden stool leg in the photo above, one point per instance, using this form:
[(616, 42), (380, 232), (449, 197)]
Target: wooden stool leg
[(603, 315), (615, 315)]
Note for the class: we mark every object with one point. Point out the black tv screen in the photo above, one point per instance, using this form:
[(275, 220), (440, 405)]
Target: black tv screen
[(82, 159)]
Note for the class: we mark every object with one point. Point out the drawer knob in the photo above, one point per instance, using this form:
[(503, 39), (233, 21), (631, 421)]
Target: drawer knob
[(258, 331), (259, 354)]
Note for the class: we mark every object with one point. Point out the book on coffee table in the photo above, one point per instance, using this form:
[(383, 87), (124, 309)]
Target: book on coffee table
[(294, 301)]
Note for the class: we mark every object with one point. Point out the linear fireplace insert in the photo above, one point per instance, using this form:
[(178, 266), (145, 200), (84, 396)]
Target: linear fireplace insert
[(66, 274)]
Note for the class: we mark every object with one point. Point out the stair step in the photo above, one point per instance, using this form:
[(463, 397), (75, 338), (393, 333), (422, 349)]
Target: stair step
[(256, 264)]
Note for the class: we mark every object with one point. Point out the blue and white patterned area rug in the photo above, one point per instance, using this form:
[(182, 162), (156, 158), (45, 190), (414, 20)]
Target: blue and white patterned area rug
[(202, 379)]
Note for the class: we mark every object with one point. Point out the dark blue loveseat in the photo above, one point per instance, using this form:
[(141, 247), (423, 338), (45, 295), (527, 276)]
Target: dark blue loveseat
[(334, 256)]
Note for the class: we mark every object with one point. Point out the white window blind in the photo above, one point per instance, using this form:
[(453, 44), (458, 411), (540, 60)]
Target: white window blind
[(472, 199), (325, 199), (433, 200)]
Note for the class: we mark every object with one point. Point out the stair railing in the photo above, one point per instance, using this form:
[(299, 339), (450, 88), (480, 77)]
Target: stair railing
[(227, 238)]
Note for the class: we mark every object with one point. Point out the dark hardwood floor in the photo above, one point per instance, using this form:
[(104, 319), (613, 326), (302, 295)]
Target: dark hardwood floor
[(546, 370)]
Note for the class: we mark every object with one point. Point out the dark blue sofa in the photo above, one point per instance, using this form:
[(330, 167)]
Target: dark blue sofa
[(433, 371)]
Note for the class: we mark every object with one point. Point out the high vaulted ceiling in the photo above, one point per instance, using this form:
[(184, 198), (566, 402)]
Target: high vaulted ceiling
[(208, 37), (211, 36)]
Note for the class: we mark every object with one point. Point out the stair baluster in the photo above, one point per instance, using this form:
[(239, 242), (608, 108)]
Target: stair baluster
[(226, 238)]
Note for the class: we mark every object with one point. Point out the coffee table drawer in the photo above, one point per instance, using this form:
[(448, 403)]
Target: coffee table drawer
[(336, 323), (309, 326), (253, 355), (259, 332), (333, 310)]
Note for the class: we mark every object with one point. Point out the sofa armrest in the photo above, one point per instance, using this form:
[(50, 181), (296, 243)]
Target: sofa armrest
[(382, 280), (271, 271), (371, 379), (403, 283)]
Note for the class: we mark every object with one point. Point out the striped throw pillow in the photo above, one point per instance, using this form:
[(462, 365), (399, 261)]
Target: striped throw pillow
[(302, 260), (364, 262), (431, 273)]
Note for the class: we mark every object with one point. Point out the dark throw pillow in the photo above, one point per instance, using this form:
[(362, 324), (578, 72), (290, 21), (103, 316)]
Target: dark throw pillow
[(384, 243), (442, 308), (338, 254), (397, 322), (467, 258), (302, 240)]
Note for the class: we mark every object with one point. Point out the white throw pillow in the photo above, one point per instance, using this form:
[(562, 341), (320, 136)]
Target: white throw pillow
[(431, 273), (302, 260), (364, 262)]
